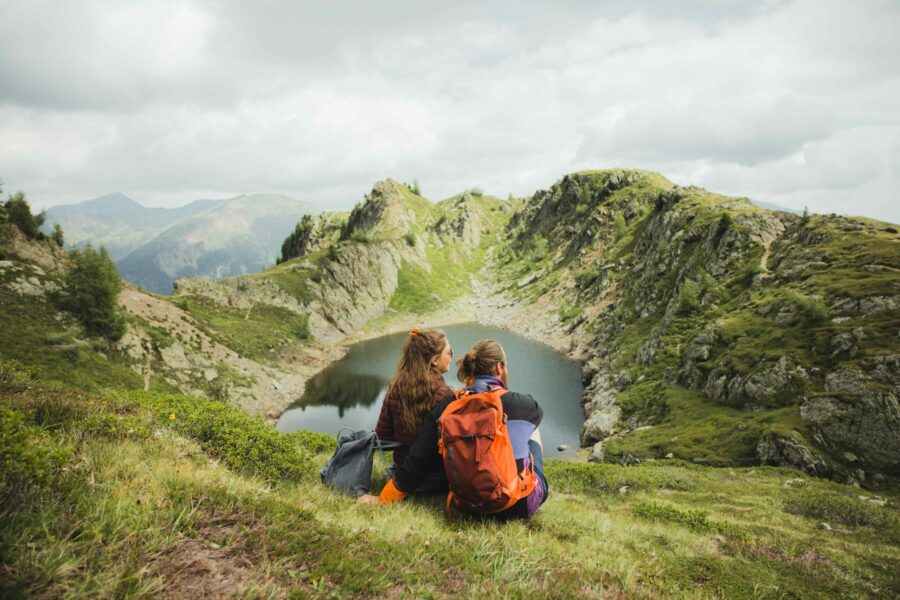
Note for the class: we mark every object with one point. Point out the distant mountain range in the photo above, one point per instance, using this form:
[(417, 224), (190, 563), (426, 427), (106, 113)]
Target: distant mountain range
[(770, 206), (152, 247)]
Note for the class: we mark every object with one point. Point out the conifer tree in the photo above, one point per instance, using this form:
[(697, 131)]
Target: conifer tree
[(91, 292)]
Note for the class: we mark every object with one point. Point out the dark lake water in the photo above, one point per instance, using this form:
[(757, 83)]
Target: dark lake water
[(349, 392)]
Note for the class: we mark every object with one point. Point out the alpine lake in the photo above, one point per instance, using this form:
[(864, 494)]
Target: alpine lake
[(350, 391)]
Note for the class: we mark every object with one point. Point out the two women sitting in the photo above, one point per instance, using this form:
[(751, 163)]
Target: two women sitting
[(484, 436)]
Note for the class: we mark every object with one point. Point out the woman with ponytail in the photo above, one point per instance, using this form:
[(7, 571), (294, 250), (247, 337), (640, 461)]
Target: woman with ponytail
[(483, 368), (416, 388)]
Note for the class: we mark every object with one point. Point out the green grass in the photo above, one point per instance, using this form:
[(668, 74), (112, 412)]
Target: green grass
[(696, 429), (142, 497), (262, 333), (55, 346)]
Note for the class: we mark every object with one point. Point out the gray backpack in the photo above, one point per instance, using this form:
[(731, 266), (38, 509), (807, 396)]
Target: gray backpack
[(350, 469)]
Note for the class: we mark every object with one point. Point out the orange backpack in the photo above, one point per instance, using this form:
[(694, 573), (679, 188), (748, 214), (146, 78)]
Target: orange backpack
[(478, 454)]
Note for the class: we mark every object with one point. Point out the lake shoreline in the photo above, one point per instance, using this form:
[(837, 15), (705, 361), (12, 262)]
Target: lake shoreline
[(349, 395)]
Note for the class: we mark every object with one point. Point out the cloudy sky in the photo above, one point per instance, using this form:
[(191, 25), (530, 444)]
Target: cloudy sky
[(789, 102)]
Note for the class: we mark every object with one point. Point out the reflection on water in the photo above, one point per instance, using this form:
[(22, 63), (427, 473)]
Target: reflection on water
[(349, 393), (334, 387)]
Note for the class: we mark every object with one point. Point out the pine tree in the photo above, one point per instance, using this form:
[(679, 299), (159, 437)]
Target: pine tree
[(91, 292), (57, 235), (297, 243), (18, 212)]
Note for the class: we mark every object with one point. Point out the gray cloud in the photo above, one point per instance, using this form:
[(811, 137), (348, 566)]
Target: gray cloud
[(783, 101)]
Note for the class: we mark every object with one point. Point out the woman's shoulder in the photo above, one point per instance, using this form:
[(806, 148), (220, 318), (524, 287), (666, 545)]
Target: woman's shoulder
[(441, 389)]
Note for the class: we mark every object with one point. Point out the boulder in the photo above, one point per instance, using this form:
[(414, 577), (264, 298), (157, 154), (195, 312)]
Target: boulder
[(791, 451)]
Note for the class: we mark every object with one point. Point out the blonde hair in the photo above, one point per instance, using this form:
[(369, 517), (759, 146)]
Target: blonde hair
[(413, 383), (480, 360)]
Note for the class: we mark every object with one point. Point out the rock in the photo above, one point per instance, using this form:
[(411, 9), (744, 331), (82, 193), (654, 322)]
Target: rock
[(600, 425), (762, 388), (623, 491), (791, 452), (670, 455), (210, 374), (5, 264), (597, 452), (825, 526), (562, 447), (865, 422)]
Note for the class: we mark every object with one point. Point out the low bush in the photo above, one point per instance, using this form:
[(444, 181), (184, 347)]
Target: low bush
[(840, 509), (688, 297), (29, 458), (244, 443), (695, 520), (595, 478)]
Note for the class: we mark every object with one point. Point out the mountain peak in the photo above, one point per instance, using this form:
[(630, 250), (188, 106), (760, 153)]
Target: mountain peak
[(116, 200)]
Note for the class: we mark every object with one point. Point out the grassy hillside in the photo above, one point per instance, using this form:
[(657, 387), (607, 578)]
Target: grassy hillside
[(723, 333), (152, 494)]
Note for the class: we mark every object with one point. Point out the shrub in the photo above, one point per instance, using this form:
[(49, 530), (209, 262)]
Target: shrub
[(688, 297), (301, 327), (598, 478), (619, 221), (18, 212), (360, 236), (539, 249), (297, 243), (586, 277), (840, 509), (695, 520), (57, 235), (91, 291), (244, 443), (29, 460), (410, 239), (476, 191), (810, 310), (332, 252)]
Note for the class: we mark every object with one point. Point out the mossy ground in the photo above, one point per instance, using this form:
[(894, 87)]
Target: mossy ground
[(156, 497)]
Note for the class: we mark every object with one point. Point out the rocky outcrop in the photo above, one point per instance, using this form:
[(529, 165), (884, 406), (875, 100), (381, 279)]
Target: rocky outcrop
[(860, 413), (45, 254), (792, 451), (777, 385), (241, 293), (747, 307)]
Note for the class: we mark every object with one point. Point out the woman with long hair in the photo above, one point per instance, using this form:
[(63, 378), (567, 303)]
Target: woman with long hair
[(416, 388), (484, 368)]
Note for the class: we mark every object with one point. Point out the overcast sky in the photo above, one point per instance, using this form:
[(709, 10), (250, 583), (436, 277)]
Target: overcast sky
[(790, 102)]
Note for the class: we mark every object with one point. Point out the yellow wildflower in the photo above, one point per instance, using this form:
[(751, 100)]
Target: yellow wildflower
[(172, 417)]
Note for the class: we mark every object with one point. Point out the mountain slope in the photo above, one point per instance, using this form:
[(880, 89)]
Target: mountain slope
[(713, 330), (710, 329), (118, 222), (154, 246)]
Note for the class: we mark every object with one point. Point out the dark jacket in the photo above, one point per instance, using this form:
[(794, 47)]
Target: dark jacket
[(523, 414), (390, 421)]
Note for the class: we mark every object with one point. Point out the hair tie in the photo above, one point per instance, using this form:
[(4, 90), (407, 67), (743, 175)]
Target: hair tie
[(414, 332)]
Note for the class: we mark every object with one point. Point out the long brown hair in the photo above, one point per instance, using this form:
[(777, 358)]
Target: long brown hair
[(413, 383), (480, 360)]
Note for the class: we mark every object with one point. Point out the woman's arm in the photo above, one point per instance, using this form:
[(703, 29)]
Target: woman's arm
[(384, 429)]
